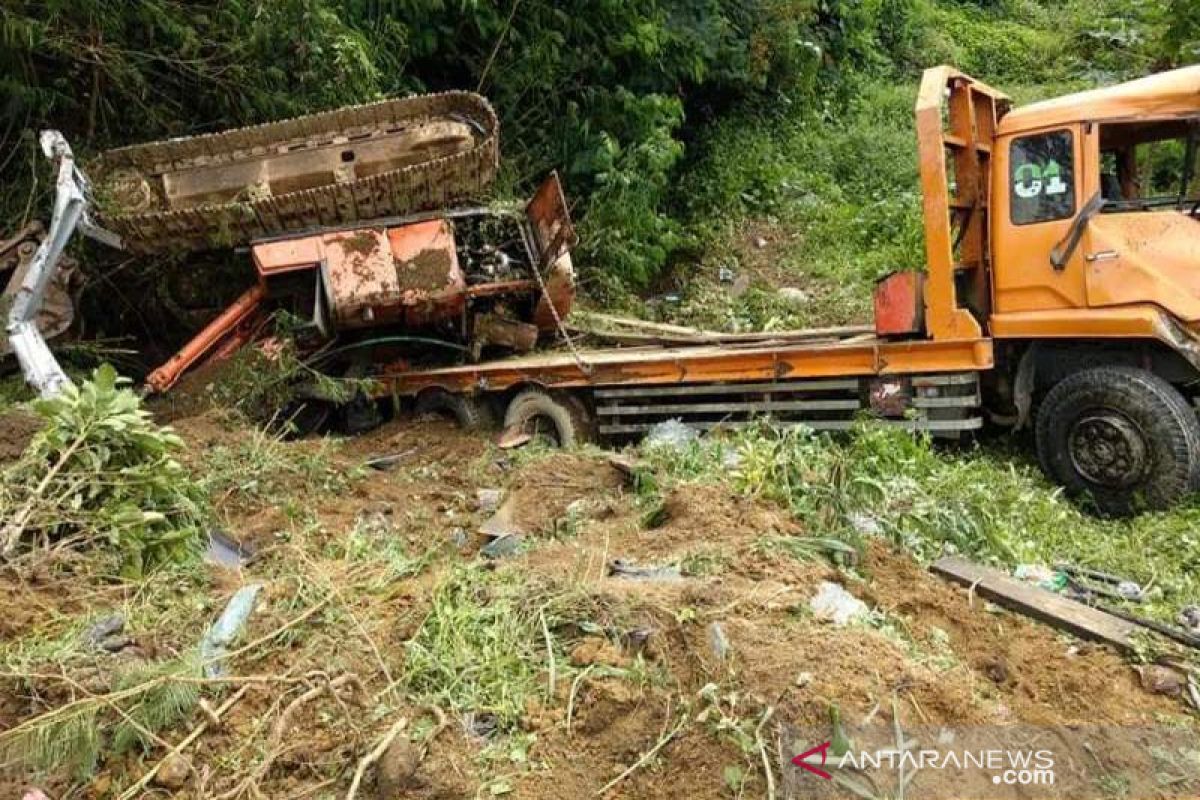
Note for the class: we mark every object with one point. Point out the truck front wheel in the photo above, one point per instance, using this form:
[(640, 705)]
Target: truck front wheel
[(1120, 437)]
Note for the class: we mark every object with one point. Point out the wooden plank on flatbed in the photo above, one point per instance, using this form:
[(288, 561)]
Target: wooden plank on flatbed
[(1038, 603)]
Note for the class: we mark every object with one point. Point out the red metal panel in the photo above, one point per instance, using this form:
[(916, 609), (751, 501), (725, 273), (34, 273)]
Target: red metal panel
[(899, 304)]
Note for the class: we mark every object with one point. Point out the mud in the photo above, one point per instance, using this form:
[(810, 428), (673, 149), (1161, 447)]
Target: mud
[(17, 429)]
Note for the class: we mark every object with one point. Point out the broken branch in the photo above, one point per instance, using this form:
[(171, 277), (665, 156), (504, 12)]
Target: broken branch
[(376, 753)]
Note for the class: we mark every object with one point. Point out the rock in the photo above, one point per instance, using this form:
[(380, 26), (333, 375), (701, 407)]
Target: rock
[(996, 670), (793, 295), (396, 772), (98, 634), (718, 642), (1162, 680), (597, 650), (34, 794), (834, 604), (488, 500), (804, 679), (502, 546), (173, 772), (1189, 617)]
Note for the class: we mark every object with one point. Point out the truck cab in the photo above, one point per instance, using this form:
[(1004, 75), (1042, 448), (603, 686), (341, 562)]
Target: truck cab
[(1067, 233), (1096, 223)]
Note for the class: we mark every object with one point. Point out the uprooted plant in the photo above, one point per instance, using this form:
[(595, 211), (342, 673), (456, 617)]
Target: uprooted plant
[(100, 471)]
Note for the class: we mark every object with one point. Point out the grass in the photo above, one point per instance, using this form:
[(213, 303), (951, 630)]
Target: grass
[(987, 503), (480, 648)]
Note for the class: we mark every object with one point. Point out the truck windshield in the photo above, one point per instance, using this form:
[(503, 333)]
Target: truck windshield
[(1150, 165)]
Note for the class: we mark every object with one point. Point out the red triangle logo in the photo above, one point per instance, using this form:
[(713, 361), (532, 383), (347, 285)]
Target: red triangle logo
[(800, 761)]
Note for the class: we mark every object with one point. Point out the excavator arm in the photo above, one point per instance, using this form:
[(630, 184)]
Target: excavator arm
[(71, 211)]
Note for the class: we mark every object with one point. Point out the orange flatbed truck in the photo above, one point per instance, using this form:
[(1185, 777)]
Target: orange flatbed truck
[(1062, 290)]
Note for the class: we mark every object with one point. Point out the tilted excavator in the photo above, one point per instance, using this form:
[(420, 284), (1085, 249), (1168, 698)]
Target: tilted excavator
[(362, 224)]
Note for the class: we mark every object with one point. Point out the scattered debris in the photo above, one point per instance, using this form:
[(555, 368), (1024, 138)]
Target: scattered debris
[(389, 462), (480, 724), (620, 568), (513, 437), (1088, 583), (227, 627), (459, 538), (1038, 603), (502, 523), (864, 523), (832, 603), (671, 433), (226, 551), (1040, 575)]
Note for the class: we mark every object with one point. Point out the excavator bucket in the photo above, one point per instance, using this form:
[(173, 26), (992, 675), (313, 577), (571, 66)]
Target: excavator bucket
[(367, 162)]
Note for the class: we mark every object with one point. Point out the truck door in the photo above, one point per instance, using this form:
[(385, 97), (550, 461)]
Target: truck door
[(1039, 200)]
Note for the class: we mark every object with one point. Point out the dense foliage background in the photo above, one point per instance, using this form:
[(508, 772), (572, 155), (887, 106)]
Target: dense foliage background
[(672, 120)]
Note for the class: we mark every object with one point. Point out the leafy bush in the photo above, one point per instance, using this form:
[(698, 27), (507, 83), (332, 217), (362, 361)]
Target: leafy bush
[(100, 471)]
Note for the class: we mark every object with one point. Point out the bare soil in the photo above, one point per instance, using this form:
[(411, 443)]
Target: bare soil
[(945, 658), (17, 428)]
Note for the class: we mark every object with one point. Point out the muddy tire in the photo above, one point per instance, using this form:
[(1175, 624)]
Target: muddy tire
[(561, 418), (300, 418), (470, 413), (1122, 439)]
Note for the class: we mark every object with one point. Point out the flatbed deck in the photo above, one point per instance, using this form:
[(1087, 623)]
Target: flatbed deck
[(853, 356)]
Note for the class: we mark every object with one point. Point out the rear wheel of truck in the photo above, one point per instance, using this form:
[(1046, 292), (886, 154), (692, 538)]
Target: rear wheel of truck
[(559, 418), (471, 413), (1121, 438)]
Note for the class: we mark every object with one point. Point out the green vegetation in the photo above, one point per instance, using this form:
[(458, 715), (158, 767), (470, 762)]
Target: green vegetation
[(480, 648), (100, 471), (629, 100), (983, 503)]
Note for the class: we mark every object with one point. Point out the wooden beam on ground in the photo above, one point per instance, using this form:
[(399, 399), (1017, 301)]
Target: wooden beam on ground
[(1038, 603)]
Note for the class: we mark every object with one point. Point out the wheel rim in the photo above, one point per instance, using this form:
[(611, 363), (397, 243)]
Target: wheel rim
[(1106, 448)]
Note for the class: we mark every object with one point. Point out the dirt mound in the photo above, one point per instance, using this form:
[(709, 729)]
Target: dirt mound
[(17, 429)]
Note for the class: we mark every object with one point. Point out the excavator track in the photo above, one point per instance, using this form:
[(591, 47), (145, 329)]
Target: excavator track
[(382, 159)]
